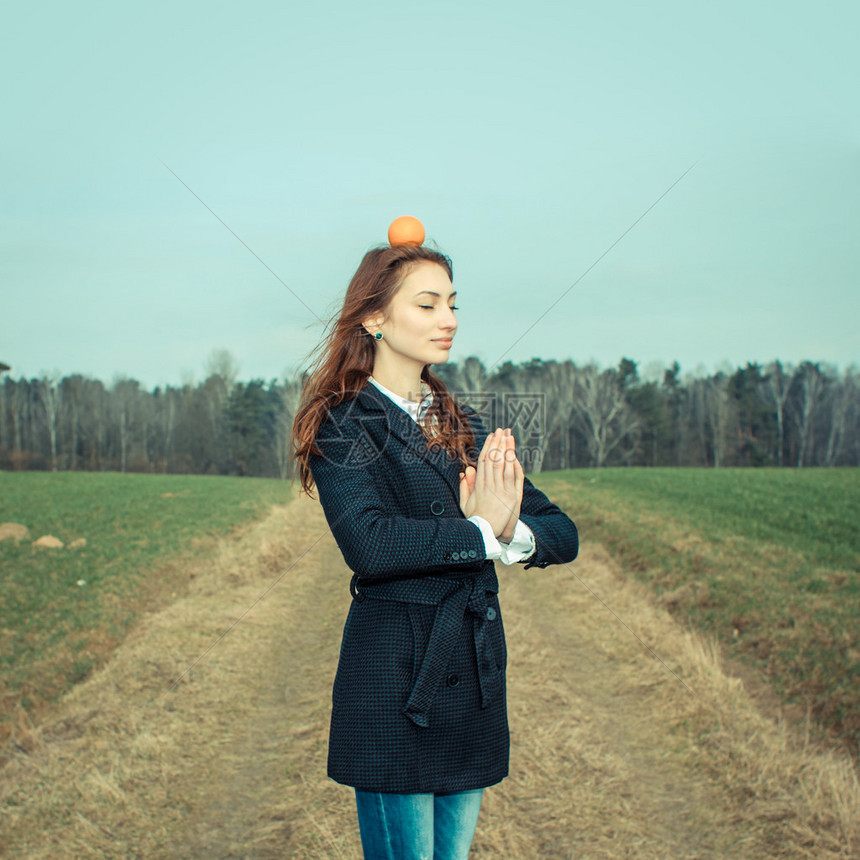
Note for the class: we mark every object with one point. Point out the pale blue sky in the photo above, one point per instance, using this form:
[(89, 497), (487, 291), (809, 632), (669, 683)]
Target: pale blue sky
[(527, 138)]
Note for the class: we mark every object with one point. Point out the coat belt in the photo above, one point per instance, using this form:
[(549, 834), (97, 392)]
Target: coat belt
[(453, 598)]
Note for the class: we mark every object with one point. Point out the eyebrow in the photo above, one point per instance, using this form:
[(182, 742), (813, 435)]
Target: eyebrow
[(432, 293)]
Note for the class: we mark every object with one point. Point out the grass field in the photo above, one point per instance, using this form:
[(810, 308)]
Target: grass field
[(766, 560), (62, 611), (190, 743)]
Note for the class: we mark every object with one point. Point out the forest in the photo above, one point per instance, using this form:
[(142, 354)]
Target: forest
[(563, 415)]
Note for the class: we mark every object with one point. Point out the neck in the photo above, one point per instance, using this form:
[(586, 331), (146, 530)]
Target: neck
[(404, 380)]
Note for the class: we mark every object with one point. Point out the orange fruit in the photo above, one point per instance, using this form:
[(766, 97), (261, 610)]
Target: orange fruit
[(406, 230)]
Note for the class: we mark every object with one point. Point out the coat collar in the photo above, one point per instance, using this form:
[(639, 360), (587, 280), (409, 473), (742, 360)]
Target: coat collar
[(401, 424)]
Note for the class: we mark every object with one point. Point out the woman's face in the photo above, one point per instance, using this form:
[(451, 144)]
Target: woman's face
[(421, 323)]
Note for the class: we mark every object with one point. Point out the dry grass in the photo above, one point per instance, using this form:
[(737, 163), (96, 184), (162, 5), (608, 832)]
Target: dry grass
[(650, 764), (613, 756)]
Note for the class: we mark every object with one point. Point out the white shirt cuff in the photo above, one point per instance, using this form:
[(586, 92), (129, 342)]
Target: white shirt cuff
[(521, 546)]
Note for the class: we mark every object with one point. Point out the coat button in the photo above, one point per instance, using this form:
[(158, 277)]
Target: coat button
[(437, 507), (453, 680), (472, 554), (455, 556), (491, 614)]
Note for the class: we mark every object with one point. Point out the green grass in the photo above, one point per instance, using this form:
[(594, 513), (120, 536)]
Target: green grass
[(772, 557), (62, 611), (774, 552), (815, 512)]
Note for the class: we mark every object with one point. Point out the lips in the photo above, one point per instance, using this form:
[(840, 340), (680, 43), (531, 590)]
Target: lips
[(444, 341)]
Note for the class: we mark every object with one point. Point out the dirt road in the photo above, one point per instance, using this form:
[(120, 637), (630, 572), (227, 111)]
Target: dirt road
[(205, 736)]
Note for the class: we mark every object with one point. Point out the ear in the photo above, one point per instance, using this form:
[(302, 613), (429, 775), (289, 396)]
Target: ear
[(371, 324)]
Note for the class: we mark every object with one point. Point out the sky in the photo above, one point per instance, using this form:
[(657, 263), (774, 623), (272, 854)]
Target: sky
[(664, 181)]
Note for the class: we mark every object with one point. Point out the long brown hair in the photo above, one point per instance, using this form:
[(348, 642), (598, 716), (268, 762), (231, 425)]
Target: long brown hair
[(345, 359)]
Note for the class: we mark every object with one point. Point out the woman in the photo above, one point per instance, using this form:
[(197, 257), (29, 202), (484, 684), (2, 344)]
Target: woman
[(420, 499)]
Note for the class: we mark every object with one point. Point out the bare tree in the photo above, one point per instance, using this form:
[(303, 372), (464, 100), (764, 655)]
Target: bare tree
[(4, 421), (555, 387), (19, 405), (469, 381), (290, 394), (473, 375), (810, 383), (72, 390), (561, 401), (602, 412), (95, 423), (222, 363), (718, 404), (778, 386), (695, 424), (843, 397), (169, 409), (124, 402), (222, 373), (49, 401)]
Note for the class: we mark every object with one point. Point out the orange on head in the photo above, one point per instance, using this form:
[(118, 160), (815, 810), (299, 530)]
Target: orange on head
[(406, 230)]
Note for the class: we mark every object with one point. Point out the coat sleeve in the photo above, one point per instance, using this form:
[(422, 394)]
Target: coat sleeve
[(556, 536), (378, 543)]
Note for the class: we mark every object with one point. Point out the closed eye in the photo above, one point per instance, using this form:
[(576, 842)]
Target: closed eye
[(430, 307)]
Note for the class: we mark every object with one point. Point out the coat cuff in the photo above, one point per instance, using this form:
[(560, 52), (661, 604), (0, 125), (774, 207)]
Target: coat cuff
[(521, 546)]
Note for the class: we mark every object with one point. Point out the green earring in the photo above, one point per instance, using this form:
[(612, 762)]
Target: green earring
[(378, 335)]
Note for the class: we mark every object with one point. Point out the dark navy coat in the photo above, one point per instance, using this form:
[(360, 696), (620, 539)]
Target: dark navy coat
[(418, 703)]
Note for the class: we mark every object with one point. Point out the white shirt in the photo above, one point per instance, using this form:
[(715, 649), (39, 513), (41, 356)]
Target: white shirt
[(522, 544)]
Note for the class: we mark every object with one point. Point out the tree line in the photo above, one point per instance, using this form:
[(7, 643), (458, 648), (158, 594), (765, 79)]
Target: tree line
[(563, 415)]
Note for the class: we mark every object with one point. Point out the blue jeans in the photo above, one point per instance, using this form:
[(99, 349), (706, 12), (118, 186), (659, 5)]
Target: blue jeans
[(417, 826)]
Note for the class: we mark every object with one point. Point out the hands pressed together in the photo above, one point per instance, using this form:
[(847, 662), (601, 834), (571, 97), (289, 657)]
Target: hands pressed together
[(494, 490)]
